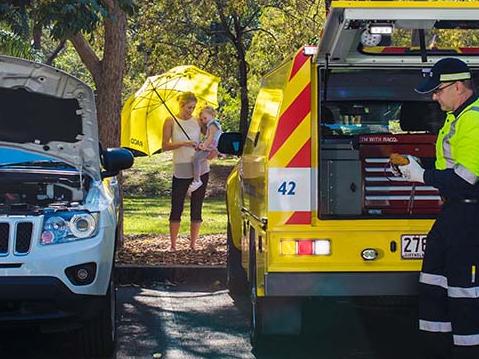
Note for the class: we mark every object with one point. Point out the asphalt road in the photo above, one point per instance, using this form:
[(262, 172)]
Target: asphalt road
[(187, 321), (203, 321), (181, 322)]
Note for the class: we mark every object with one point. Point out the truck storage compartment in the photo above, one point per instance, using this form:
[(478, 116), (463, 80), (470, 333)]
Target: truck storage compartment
[(383, 193), (354, 173), (340, 178)]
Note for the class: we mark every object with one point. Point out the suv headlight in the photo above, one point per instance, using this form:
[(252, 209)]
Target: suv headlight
[(63, 227)]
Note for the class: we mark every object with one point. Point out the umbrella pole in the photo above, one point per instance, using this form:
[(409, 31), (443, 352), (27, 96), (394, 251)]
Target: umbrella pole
[(168, 109)]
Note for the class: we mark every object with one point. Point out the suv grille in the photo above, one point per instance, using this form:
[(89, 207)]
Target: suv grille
[(4, 231), (21, 232), (24, 237)]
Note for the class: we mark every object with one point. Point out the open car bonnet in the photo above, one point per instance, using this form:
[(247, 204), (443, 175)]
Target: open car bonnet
[(47, 111)]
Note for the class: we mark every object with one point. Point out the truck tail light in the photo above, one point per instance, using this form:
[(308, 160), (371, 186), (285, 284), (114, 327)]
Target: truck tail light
[(288, 247), (322, 247), (305, 247)]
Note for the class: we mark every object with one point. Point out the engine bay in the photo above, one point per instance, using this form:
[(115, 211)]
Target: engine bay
[(22, 193)]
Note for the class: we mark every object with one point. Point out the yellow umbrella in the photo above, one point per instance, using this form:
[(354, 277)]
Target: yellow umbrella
[(144, 112)]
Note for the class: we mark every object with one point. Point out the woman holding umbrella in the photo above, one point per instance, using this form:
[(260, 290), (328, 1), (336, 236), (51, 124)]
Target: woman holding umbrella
[(181, 134)]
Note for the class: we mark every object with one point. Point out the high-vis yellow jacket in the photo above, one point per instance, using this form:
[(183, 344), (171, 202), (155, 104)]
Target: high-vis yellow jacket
[(457, 145), (457, 154)]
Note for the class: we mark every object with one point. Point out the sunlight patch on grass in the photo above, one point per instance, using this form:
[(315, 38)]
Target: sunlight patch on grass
[(150, 216)]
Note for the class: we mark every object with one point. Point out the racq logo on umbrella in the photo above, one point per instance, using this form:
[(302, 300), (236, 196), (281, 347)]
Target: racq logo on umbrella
[(135, 141)]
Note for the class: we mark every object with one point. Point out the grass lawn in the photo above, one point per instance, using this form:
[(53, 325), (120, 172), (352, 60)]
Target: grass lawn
[(147, 197), (150, 216)]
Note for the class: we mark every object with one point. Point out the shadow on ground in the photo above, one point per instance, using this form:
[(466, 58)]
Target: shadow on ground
[(345, 329), (185, 320)]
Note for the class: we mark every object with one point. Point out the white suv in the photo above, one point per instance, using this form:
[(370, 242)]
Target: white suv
[(58, 206)]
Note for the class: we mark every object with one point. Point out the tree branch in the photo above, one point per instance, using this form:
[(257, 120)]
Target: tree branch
[(224, 21), (263, 30), (55, 52), (251, 18), (87, 55)]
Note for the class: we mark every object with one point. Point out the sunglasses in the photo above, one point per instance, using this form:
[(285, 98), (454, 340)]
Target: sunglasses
[(439, 89)]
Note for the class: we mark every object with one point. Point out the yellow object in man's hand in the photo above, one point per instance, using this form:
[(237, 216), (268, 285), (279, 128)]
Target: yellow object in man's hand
[(398, 160)]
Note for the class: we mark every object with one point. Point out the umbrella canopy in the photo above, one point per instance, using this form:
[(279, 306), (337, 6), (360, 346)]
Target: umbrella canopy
[(144, 112)]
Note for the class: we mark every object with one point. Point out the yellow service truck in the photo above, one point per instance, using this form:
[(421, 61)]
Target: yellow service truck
[(313, 206)]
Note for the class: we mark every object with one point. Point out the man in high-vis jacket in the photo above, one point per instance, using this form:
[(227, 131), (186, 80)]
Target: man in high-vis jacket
[(449, 279)]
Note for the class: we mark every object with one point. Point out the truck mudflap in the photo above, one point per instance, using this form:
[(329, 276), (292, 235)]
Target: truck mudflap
[(341, 284)]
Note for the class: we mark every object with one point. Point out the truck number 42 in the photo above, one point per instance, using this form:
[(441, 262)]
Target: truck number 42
[(287, 188)]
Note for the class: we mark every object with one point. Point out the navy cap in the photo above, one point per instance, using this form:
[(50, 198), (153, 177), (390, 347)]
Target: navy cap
[(445, 70)]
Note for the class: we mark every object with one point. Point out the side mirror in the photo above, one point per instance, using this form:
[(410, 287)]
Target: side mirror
[(114, 160), (231, 143)]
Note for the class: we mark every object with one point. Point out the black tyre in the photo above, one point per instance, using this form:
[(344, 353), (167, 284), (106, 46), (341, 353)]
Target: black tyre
[(98, 336), (256, 333), (256, 319), (235, 275), (270, 316)]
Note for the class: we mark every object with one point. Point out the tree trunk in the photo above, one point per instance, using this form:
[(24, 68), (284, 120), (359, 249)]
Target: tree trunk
[(108, 100), (243, 82), (327, 6), (242, 76), (109, 85), (107, 73), (108, 77)]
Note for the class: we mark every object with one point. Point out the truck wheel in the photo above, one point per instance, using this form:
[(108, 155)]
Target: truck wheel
[(271, 315), (98, 336), (235, 275), (256, 318)]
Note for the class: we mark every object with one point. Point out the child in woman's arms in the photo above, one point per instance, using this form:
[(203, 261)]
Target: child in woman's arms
[(210, 143)]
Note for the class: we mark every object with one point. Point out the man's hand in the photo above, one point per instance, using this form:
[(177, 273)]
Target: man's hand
[(412, 172)]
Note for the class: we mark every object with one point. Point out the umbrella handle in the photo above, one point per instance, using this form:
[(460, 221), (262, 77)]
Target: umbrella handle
[(168, 109)]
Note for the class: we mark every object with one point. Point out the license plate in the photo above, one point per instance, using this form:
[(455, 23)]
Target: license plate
[(413, 246)]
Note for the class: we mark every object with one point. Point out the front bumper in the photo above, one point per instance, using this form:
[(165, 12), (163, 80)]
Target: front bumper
[(52, 260), (341, 284), (29, 300)]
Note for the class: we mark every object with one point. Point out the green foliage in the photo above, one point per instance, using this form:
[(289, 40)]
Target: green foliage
[(62, 18), (14, 14), (70, 62), (164, 34), (286, 29), (69, 17), (14, 45), (57, 20), (229, 110)]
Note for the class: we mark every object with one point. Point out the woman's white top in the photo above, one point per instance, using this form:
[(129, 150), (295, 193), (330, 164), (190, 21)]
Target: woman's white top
[(183, 156)]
